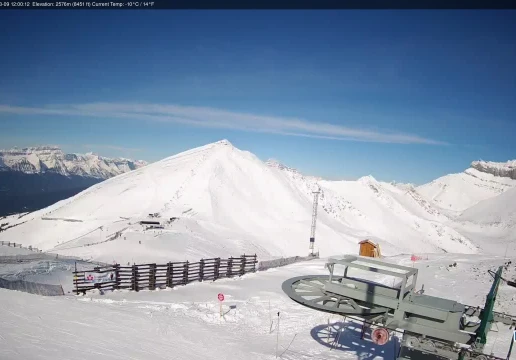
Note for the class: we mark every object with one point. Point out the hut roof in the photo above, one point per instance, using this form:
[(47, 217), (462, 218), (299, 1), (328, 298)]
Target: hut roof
[(367, 241)]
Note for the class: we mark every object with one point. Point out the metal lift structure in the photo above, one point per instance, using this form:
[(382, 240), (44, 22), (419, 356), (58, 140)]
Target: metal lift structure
[(430, 325), (314, 221)]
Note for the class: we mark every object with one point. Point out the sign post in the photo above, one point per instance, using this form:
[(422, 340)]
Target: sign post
[(512, 343), (415, 258), (221, 299)]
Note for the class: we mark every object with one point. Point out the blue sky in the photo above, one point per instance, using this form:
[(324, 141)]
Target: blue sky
[(402, 95)]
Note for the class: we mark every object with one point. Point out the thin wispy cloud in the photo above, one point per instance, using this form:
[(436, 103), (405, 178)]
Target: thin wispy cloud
[(223, 119)]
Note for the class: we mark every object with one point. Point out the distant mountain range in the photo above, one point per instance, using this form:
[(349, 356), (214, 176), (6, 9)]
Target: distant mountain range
[(35, 177)]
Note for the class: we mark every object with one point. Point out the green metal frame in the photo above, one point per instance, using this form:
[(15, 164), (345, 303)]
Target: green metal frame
[(487, 314)]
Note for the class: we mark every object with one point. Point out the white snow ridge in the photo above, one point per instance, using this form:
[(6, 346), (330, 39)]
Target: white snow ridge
[(457, 192)]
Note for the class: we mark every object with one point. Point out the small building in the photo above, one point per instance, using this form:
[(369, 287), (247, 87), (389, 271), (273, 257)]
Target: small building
[(369, 249)]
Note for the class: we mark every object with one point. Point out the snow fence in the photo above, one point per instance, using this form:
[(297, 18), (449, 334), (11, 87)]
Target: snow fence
[(152, 276), (269, 264), (32, 287), (8, 259), (18, 245)]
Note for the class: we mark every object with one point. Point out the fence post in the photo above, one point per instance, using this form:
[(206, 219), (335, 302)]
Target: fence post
[(201, 270), (242, 264), (185, 273), (117, 276), (152, 277), (134, 285), (75, 279), (230, 267), (254, 263), (169, 274), (216, 271)]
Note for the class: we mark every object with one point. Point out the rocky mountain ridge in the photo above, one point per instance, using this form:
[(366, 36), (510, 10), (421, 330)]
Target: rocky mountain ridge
[(51, 159), (502, 169)]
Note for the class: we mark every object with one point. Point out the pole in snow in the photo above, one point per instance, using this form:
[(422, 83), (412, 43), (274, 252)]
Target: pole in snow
[(314, 220), (277, 337)]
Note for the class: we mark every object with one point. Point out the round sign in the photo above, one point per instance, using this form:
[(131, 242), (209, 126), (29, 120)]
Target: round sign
[(380, 336), (221, 297)]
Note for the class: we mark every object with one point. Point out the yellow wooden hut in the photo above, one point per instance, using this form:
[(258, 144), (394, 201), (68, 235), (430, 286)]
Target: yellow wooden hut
[(369, 249)]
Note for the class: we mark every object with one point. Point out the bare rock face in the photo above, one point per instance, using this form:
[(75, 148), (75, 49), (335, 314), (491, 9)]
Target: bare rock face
[(507, 169)]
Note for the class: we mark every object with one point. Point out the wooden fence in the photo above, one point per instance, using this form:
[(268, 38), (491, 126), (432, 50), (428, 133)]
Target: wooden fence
[(152, 276), (18, 245)]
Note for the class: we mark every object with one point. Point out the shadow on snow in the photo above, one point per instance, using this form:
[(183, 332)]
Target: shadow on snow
[(345, 336)]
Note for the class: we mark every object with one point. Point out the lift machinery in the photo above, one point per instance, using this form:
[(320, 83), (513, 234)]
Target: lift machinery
[(431, 326)]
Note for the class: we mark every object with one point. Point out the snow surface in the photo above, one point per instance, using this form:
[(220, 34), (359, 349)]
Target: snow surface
[(229, 202), (497, 210), (457, 192), (184, 322), (10, 251), (43, 159)]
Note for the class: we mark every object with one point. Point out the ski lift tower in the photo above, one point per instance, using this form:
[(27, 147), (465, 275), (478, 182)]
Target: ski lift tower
[(314, 220)]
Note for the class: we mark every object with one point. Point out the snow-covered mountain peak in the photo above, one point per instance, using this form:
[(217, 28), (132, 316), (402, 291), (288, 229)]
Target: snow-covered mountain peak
[(368, 179), (224, 142), (460, 191), (502, 169), (229, 200)]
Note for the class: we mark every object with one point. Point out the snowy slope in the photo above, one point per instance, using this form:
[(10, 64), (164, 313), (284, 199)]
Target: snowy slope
[(498, 210), (45, 159), (457, 192), (396, 217), (184, 323), (229, 202)]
